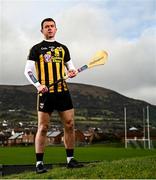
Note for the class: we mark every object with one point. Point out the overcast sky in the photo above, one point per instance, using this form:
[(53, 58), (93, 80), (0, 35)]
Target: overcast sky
[(126, 29)]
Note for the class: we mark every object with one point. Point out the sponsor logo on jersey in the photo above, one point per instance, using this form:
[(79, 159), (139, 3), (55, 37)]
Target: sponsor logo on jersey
[(44, 48)]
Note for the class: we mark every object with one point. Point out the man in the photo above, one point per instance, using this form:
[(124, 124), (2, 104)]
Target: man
[(47, 62)]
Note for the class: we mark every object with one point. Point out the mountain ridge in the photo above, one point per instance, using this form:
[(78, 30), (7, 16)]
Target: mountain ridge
[(89, 101)]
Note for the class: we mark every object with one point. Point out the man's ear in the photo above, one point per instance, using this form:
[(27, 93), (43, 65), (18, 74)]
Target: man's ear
[(41, 31)]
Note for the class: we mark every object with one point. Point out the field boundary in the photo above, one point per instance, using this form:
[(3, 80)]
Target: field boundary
[(16, 169)]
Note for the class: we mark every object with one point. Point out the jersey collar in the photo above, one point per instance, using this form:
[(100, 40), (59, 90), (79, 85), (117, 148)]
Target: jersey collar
[(49, 40)]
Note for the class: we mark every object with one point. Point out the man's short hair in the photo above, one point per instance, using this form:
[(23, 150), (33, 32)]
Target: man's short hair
[(47, 19)]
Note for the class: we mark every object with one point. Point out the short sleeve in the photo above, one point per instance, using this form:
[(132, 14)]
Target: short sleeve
[(33, 55), (67, 54)]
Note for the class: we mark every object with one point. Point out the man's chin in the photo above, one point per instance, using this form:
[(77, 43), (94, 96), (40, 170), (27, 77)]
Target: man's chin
[(50, 37)]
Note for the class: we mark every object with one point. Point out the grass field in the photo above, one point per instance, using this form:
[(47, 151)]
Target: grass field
[(26, 155), (130, 168), (115, 163)]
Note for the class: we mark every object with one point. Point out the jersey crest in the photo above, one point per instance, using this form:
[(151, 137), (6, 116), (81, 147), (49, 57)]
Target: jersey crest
[(47, 57)]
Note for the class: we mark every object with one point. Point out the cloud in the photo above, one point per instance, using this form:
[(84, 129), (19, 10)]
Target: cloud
[(125, 30), (132, 62), (13, 56), (85, 30), (132, 17)]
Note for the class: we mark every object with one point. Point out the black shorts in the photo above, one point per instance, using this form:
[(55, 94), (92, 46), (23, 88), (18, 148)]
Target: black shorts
[(49, 102)]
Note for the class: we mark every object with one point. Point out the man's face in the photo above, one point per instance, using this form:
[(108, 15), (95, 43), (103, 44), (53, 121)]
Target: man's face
[(49, 29)]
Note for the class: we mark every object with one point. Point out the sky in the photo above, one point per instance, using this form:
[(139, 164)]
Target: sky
[(126, 29)]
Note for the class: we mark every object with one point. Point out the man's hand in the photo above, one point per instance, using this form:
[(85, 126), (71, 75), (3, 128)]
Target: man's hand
[(42, 89), (72, 73)]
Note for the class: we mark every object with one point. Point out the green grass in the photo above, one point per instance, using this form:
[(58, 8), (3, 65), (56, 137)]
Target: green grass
[(130, 168), (26, 155), (115, 163)]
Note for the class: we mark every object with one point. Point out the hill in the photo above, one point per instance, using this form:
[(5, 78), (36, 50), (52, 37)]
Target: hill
[(92, 104)]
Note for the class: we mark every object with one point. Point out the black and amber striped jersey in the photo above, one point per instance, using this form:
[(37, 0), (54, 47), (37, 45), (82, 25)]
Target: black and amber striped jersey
[(50, 58)]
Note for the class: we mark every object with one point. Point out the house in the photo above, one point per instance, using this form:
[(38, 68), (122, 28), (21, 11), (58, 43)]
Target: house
[(28, 138), (4, 135), (54, 137), (15, 139), (3, 138), (94, 135), (79, 136), (133, 134)]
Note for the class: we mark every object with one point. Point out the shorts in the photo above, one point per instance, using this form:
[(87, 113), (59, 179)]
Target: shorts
[(60, 101)]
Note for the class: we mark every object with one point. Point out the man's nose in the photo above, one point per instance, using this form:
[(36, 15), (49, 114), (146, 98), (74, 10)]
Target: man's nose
[(49, 28)]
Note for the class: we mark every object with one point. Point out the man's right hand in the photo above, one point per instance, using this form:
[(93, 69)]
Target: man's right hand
[(42, 89)]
